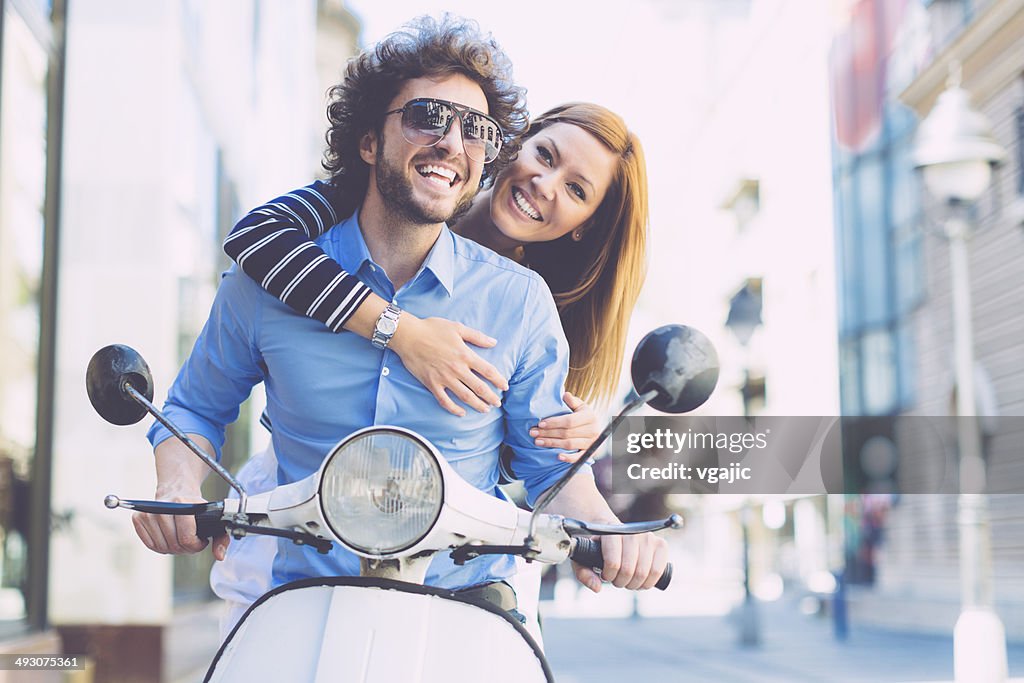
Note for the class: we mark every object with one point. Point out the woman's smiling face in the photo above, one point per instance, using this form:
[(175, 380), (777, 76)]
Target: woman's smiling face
[(555, 184)]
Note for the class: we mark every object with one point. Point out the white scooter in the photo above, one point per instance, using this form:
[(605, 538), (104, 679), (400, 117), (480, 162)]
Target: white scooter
[(388, 495)]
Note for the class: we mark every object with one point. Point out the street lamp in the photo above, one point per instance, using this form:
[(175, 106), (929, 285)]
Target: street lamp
[(744, 319), (955, 152), (744, 313)]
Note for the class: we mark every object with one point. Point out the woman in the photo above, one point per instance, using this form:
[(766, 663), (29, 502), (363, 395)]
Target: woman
[(572, 205)]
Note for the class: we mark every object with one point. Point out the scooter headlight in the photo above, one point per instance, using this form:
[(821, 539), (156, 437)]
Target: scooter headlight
[(381, 490)]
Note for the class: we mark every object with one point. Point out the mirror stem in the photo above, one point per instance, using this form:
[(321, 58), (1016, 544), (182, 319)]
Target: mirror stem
[(134, 393), (550, 494)]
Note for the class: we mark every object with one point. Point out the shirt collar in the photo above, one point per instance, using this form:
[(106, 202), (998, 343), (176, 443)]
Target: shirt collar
[(353, 253), (441, 260)]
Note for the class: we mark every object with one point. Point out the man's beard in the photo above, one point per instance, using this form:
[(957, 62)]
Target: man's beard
[(396, 190)]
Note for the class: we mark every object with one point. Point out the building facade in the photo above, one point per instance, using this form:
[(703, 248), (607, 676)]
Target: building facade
[(891, 60), (32, 56), (132, 136)]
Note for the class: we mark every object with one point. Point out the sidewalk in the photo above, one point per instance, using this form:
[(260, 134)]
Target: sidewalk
[(795, 649), (190, 642), (702, 649)]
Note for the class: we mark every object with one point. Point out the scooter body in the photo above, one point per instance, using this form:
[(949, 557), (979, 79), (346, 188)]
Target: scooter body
[(376, 631)]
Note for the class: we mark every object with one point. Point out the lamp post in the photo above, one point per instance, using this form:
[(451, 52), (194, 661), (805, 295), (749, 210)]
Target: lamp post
[(955, 152), (744, 318)]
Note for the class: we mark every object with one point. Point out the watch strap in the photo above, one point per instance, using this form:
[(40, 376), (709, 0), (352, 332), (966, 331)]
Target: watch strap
[(382, 332)]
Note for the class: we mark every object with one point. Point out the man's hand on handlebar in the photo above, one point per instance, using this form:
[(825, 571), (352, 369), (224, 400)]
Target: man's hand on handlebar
[(174, 534), (631, 561), (179, 477), (635, 562)]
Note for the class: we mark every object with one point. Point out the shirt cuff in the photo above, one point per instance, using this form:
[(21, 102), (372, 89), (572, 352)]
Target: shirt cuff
[(157, 433)]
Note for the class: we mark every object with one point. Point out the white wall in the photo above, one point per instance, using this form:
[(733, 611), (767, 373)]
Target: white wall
[(765, 116)]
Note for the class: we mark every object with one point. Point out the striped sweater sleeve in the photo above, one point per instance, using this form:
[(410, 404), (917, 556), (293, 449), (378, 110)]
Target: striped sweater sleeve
[(273, 244)]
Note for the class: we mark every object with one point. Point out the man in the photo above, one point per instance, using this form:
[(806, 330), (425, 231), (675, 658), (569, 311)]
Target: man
[(322, 386)]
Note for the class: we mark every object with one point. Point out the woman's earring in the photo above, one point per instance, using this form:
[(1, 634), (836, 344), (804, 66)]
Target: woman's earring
[(577, 235)]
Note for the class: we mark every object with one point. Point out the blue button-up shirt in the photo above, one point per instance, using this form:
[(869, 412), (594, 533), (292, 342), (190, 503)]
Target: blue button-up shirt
[(321, 386)]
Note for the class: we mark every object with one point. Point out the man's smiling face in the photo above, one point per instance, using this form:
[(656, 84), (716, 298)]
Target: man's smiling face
[(425, 185)]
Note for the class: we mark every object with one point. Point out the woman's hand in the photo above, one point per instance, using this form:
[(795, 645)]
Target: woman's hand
[(573, 432), (435, 351)]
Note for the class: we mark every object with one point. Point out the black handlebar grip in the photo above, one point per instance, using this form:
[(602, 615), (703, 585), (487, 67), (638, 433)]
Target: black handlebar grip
[(588, 553), (209, 524)]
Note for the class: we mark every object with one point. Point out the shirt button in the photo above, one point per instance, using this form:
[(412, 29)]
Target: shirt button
[(373, 268), (385, 372)]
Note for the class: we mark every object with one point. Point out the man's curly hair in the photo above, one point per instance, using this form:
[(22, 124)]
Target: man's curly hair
[(423, 48)]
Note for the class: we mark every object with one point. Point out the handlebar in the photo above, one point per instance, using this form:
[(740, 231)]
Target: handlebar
[(587, 552), (210, 524), (577, 527), (209, 516), (163, 507), (210, 521)]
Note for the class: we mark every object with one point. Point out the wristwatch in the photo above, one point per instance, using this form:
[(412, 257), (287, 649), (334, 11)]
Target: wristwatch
[(386, 325)]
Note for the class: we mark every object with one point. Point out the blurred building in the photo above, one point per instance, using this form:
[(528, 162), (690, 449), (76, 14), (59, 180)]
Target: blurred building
[(132, 136), (749, 260), (31, 63), (890, 61)]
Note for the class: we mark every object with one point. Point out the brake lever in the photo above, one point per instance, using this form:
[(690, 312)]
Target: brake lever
[(162, 507), (210, 514), (575, 527)]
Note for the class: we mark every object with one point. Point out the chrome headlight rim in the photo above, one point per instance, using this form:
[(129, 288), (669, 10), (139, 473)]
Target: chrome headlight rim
[(425, 444)]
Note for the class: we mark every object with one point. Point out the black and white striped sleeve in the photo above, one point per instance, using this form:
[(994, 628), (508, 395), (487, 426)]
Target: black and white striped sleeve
[(273, 244)]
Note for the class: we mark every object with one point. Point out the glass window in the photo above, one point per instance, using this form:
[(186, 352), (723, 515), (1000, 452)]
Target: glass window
[(849, 378), (906, 185), (871, 228), (906, 218), (849, 301), (1020, 150), (880, 248), (900, 122), (910, 273), (879, 367), (907, 365)]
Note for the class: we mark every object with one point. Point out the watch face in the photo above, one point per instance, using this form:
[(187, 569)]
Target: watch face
[(387, 327)]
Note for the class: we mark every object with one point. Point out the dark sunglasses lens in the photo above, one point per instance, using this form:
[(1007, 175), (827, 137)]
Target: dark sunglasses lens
[(481, 136), (426, 122)]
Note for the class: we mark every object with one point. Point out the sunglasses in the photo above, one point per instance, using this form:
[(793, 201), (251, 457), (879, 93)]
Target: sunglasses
[(425, 122)]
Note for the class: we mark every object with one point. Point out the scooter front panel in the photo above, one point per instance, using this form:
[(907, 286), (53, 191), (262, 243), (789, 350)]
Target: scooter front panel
[(375, 634)]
